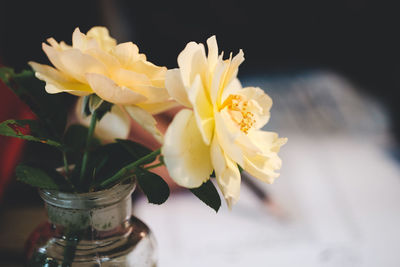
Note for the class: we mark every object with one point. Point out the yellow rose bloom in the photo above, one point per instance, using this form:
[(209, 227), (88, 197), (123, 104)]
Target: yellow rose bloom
[(117, 73), (222, 127)]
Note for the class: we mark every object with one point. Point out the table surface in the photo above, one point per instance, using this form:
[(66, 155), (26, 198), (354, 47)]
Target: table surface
[(339, 189)]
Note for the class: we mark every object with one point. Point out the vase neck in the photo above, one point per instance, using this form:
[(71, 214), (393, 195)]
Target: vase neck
[(102, 211)]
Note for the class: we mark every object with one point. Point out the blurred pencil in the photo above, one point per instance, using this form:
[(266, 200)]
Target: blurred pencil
[(262, 195)]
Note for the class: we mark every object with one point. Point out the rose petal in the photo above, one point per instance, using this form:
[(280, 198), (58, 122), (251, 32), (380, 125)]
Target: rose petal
[(192, 61), (217, 81), (153, 94), (160, 83), (186, 156), (155, 108), (141, 84), (239, 138), (114, 124), (227, 138), (175, 87), (227, 174), (263, 166), (268, 142), (54, 56), (233, 68), (103, 38), (129, 78), (263, 100), (146, 120), (56, 82), (212, 56), (108, 90), (153, 72), (258, 167), (203, 110), (58, 46), (77, 64), (81, 42), (234, 87), (127, 54), (108, 60)]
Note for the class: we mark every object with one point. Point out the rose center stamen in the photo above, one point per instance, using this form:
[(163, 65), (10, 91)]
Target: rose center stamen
[(238, 108)]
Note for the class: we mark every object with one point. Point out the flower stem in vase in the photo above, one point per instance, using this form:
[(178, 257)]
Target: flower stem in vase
[(125, 170), (88, 143)]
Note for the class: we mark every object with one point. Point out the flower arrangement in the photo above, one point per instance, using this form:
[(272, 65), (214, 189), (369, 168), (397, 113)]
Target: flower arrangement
[(216, 135)]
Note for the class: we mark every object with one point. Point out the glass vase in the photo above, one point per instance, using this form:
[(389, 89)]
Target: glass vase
[(91, 229)]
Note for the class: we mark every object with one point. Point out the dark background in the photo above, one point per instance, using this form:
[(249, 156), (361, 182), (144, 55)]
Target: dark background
[(355, 38)]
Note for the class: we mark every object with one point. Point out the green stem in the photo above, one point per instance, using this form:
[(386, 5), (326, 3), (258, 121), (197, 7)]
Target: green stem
[(66, 176), (88, 143), (154, 166), (122, 172), (65, 163)]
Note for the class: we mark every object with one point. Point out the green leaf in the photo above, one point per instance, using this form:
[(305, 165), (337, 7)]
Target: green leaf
[(45, 179), (30, 130), (6, 74), (240, 168), (127, 170), (51, 109), (118, 158), (93, 102), (38, 154), (161, 159), (75, 137), (105, 161), (136, 150), (75, 141), (208, 194), (103, 109), (152, 185), (85, 106)]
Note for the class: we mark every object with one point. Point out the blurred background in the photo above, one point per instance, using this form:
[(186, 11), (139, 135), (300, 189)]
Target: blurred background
[(332, 69)]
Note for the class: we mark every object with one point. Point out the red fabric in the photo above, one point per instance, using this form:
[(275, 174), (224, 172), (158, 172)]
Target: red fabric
[(10, 148)]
